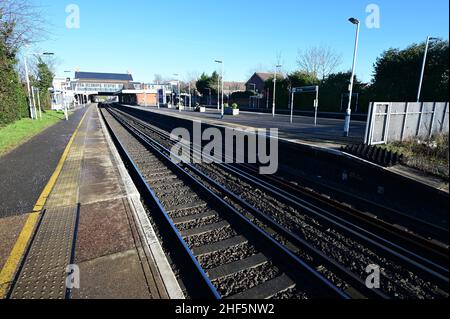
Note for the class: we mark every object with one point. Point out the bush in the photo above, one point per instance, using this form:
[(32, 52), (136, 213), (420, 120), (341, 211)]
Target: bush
[(234, 106)]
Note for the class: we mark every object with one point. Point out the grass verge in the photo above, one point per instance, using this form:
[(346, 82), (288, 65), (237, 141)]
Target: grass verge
[(17, 133), (430, 155)]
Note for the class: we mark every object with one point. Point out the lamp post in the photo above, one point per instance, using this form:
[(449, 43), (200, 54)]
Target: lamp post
[(66, 115), (222, 64), (274, 88), (423, 66), (39, 103), (349, 107), (190, 98), (209, 103), (254, 91), (179, 92), (30, 104)]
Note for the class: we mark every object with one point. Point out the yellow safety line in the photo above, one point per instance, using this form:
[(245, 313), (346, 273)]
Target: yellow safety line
[(9, 269)]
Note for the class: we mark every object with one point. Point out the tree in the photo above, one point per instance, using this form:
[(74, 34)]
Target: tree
[(397, 72), (334, 86), (44, 82), (206, 83), (25, 21), (320, 61), (158, 79), (13, 103)]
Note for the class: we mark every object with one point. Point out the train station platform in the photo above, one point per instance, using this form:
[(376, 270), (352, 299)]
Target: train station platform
[(326, 136), (88, 235), (328, 133)]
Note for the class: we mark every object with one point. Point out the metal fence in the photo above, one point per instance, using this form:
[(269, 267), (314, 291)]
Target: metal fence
[(397, 121)]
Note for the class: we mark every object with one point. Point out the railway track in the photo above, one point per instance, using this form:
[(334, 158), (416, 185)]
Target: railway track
[(322, 240), (229, 256)]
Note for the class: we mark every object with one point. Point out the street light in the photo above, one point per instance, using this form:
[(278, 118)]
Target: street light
[(179, 92), (209, 95), (274, 88), (66, 115), (423, 66), (254, 92), (349, 108), (222, 64)]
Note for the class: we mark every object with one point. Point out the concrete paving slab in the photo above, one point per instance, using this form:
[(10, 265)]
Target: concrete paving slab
[(103, 230), (9, 229), (117, 276)]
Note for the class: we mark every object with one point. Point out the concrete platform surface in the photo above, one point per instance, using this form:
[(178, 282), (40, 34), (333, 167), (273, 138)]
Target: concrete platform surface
[(89, 225)]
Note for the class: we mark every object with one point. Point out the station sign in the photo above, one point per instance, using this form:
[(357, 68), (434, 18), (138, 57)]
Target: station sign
[(305, 89)]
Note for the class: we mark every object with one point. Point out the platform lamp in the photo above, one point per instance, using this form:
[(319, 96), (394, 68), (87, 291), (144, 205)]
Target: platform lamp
[(179, 91), (349, 107), (274, 88), (427, 45), (222, 64)]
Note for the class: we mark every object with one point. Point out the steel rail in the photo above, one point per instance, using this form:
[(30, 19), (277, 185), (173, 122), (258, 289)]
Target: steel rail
[(203, 286), (432, 271), (294, 262)]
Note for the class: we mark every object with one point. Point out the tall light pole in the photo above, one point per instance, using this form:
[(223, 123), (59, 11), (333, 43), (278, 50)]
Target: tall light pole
[(254, 92), (190, 98), (274, 88), (423, 67), (30, 104), (222, 64), (179, 92), (209, 95), (39, 103), (66, 115), (355, 53)]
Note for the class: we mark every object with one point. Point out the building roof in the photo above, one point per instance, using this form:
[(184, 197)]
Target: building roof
[(264, 76), (234, 86), (103, 76)]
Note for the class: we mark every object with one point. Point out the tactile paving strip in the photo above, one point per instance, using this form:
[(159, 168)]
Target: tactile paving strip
[(44, 271)]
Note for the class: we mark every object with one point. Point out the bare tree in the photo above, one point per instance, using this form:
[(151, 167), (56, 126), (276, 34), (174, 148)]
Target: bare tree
[(22, 22), (158, 79), (257, 68), (320, 61)]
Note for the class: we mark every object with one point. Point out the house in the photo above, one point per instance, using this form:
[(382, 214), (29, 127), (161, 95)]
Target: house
[(257, 82)]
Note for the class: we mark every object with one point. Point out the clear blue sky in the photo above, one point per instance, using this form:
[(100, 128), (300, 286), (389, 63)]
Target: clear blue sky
[(181, 36)]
